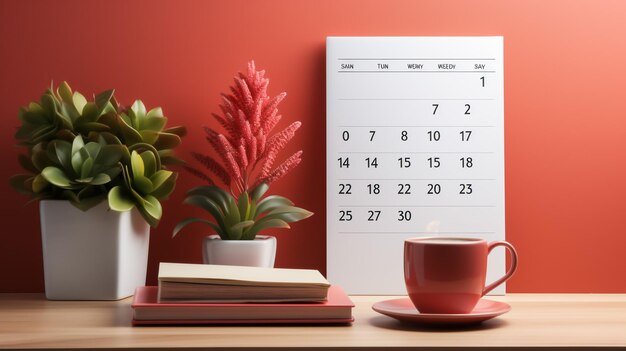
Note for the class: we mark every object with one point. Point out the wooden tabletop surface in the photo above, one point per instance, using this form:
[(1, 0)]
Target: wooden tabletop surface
[(536, 320)]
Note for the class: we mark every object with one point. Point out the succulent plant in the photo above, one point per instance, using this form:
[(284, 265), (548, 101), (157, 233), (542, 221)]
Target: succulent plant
[(247, 151), (33, 183), (144, 184), (79, 165), (73, 171), (244, 218), (83, 169), (136, 126), (85, 151), (63, 114)]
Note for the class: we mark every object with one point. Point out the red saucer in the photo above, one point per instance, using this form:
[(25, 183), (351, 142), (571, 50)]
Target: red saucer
[(404, 310)]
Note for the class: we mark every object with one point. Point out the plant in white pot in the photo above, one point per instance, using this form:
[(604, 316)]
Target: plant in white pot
[(99, 172), (247, 151)]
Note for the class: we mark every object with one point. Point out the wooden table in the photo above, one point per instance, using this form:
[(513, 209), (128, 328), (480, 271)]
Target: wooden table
[(537, 320)]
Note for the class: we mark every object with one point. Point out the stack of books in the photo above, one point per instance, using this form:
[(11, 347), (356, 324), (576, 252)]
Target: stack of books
[(214, 294)]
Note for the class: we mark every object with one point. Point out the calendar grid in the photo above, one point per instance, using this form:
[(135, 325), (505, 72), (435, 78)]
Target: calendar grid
[(357, 179), (414, 59), (418, 206), (406, 71), (411, 154), (418, 232), (415, 99), (415, 152), (414, 126)]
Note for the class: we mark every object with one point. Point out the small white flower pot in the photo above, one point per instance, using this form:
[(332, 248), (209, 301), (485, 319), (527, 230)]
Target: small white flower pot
[(99, 254), (259, 252)]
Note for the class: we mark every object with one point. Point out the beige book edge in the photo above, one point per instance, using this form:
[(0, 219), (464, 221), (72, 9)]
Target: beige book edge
[(238, 275)]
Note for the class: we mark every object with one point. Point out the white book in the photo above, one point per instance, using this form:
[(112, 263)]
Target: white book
[(182, 282)]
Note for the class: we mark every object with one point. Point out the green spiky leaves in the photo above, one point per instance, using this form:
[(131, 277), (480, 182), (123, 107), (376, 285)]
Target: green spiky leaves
[(85, 151), (244, 218), (144, 184)]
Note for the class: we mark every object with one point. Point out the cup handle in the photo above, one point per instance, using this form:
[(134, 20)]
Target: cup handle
[(511, 270)]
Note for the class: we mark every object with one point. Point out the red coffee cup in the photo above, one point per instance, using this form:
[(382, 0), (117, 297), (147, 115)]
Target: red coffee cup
[(447, 275)]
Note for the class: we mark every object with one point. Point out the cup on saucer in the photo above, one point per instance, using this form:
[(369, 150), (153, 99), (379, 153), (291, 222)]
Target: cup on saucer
[(445, 275)]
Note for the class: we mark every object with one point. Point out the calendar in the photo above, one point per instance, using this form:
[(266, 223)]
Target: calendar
[(415, 147)]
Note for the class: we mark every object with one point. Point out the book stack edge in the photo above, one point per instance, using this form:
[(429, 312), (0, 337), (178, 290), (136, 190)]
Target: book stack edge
[(213, 294)]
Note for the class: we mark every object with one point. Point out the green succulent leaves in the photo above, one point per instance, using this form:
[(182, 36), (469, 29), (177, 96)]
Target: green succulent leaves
[(87, 151), (144, 184), (244, 218), (63, 113), (79, 165), (137, 126)]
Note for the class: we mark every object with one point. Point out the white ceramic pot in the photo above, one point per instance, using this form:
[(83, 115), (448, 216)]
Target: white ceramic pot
[(259, 252), (99, 254)]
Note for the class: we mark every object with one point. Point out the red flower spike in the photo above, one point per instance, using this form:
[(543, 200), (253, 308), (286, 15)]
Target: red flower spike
[(261, 139), (243, 157), (199, 174), (236, 98), (226, 150), (243, 126), (272, 121), (233, 168), (285, 167), (247, 148), (252, 148), (227, 104), (213, 166), (245, 94), (255, 119), (222, 122), (268, 162), (278, 141), (273, 103)]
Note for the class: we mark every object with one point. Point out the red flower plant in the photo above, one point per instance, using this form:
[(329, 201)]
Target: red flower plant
[(248, 151)]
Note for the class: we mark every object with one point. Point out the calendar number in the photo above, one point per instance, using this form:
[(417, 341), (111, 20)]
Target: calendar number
[(372, 162), (433, 162), (373, 216), (372, 133), (465, 135), (404, 136), (467, 109), (345, 216), (345, 135), (404, 189), (466, 189), (434, 189), (373, 189), (344, 162), (404, 216), (434, 135), (482, 79), (345, 189), (405, 162), (466, 162), (435, 107)]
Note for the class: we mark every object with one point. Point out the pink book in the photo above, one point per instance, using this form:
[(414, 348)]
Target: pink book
[(147, 311)]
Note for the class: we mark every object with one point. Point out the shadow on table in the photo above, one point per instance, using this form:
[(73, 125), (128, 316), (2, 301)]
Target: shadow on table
[(392, 324)]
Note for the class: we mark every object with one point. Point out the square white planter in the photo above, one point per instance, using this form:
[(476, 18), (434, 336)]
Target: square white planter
[(99, 254)]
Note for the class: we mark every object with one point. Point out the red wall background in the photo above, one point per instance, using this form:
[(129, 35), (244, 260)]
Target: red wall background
[(565, 111)]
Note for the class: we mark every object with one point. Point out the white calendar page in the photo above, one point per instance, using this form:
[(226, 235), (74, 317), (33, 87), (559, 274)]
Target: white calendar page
[(415, 147)]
